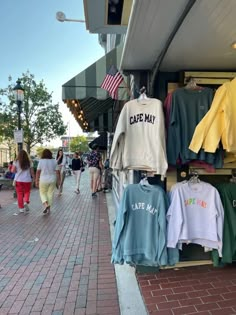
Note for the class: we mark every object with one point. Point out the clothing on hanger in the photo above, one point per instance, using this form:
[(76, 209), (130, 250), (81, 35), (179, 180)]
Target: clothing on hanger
[(227, 193), (195, 215), (218, 125), (139, 132), (188, 107), (140, 228)]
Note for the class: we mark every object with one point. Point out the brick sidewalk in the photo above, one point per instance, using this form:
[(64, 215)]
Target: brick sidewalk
[(199, 290), (60, 264), (57, 264)]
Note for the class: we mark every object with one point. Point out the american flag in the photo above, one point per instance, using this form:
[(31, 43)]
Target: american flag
[(112, 81)]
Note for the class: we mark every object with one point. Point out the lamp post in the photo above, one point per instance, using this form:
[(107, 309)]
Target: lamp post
[(19, 97), (61, 17)]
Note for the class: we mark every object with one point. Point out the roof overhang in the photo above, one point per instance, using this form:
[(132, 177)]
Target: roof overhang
[(87, 101), (180, 35), (107, 17)]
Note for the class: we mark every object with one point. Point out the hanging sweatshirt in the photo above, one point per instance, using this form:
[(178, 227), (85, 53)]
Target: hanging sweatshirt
[(228, 196), (188, 107), (219, 123), (140, 229), (139, 139), (196, 216)]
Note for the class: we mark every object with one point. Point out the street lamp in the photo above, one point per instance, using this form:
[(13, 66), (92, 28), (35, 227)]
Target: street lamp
[(19, 97), (61, 17)]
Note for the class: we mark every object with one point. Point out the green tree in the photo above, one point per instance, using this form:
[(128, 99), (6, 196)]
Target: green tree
[(79, 144), (41, 119), (7, 125)]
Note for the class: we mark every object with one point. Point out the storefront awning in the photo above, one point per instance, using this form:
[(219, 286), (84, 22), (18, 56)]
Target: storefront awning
[(88, 102)]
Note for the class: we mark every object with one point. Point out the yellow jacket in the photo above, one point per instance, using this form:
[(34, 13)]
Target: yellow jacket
[(219, 123)]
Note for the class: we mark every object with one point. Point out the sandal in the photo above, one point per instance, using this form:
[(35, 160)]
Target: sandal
[(46, 210)]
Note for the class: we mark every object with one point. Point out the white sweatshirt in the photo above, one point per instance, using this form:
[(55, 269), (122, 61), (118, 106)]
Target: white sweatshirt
[(139, 139), (195, 215)]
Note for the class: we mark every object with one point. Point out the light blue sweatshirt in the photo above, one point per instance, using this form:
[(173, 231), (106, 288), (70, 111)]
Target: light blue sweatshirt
[(140, 229)]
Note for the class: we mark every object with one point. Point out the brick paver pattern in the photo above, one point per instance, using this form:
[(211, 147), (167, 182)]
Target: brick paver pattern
[(57, 264), (202, 290)]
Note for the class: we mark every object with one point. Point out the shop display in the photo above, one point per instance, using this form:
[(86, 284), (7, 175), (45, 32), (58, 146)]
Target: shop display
[(140, 228), (139, 141), (150, 230), (219, 123), (195, 215), (228, 196), (184, 110)]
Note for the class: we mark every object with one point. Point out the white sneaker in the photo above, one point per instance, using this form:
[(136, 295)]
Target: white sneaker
[(21, 210), (26, 208)]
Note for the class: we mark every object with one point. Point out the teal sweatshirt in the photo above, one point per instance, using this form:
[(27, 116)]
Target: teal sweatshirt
[(140, 229)]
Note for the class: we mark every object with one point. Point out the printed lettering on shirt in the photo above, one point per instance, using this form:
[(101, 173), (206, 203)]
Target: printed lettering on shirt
[(144, 206), (195, 201), (142, 118)]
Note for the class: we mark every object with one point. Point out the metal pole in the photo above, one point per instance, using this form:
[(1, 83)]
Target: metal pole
[(20, 145), (69, 136)]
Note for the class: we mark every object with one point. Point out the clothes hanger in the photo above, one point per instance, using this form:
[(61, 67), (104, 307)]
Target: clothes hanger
[(144, 180), (233, 178), (143, 95), (191, 84), (194, 178)]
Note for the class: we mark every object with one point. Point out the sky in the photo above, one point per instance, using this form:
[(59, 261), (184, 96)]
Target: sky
[(33, 39)]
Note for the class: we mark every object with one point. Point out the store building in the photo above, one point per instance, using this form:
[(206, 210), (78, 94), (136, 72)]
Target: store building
[(162, 44)]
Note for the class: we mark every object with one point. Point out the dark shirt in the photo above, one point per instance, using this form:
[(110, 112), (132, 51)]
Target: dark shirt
[(76, 164)]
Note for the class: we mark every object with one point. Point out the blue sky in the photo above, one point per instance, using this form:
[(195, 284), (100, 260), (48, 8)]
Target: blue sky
[(32, 39)]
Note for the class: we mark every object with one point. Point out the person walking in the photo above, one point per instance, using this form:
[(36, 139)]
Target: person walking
[(46, 178), (77, 167), (24, 176), (61, 162), (95, 166)]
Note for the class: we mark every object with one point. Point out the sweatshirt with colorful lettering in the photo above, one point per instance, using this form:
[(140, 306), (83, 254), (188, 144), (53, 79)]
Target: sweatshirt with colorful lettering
[(195, 215)]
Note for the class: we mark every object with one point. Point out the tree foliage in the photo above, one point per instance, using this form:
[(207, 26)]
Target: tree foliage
[(79, 144), (41, 120), (7, 126)]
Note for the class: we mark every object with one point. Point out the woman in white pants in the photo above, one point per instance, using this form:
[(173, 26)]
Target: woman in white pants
[(76, 166), (46, 178)]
